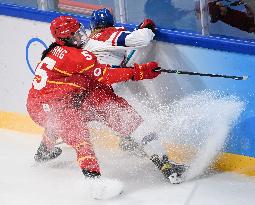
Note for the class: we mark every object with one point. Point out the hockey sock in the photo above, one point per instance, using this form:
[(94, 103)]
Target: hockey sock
[(148, 140)]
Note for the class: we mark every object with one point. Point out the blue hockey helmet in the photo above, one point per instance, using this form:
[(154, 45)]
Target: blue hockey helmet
[(101, 18)]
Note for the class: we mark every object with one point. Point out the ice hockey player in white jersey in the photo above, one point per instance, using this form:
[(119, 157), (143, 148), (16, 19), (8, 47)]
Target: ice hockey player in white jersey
[(111, 45)]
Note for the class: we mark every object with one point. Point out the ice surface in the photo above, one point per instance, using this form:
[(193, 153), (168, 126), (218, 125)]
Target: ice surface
[(23, 182)]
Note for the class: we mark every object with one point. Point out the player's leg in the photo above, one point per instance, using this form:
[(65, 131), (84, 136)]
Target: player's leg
[(154, 148), (42, 115), (75, 133), (47, 150), (116, 113)]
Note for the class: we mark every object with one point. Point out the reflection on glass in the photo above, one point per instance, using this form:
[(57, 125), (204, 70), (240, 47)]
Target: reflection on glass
[(208, 17), (29, 3), (86, 7), (47, 4), (237, 16), (171, 14), (78, 7)]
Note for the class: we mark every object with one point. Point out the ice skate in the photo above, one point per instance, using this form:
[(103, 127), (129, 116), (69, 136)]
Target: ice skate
[(130, 145), (43, 154), (172, 171)]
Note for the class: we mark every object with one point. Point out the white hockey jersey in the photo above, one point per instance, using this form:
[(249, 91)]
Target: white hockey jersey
[(112, 44)]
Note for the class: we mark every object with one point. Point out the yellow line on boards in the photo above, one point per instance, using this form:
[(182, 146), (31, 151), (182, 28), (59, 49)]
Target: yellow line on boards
[(179, 153), (23, 123), (19, 122), (235, 163)]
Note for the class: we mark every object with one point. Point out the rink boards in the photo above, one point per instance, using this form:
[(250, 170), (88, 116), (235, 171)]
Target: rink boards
[(26, 34)]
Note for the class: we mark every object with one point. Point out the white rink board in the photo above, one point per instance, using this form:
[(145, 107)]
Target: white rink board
[(15, 75)]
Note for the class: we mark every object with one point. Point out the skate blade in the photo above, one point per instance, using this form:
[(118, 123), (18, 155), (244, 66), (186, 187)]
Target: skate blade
[(174, 179)]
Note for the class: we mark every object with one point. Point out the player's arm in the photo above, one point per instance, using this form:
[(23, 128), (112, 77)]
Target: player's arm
[(138, 38), (110, 75), (142, 36)]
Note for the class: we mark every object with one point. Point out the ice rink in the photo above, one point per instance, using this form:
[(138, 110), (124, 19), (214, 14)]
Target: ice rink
[(198, 112), (23, 182)]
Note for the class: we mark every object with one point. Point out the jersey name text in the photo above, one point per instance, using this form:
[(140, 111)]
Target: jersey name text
[(59, 52)]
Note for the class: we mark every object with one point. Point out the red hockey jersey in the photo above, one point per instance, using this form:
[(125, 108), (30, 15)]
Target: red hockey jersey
[(68, 69)]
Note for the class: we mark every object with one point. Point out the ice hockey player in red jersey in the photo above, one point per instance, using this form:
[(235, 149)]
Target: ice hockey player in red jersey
[(71, 89), (110, 45)]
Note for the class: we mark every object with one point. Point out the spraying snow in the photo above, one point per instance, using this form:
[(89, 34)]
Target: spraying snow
[(199, 122)]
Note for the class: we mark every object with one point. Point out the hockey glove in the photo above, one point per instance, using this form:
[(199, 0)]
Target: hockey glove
[(145, 71), (148, 23)]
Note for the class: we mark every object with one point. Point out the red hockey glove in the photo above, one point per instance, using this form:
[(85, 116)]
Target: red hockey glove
[(148, 23), (145, 71)]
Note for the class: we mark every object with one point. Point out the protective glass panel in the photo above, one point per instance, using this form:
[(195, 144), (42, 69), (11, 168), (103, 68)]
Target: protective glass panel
[(30, 3), (232, 18)]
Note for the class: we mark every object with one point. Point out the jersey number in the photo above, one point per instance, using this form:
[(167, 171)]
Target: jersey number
[(86, 55), (41, 76)]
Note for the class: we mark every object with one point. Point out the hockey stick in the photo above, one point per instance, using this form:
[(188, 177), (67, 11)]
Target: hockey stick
[(130, 55), (202, 74)]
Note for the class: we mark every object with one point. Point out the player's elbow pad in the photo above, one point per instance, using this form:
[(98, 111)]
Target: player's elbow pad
[(139, 38)]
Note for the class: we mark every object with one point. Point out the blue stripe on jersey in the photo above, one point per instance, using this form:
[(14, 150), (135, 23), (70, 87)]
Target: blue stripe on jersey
[(121, 38)]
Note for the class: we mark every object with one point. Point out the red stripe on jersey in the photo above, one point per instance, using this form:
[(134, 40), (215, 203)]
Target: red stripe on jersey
[(114, 41)]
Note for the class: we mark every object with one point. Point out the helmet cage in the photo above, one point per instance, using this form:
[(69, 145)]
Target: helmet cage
[(78, 39)]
